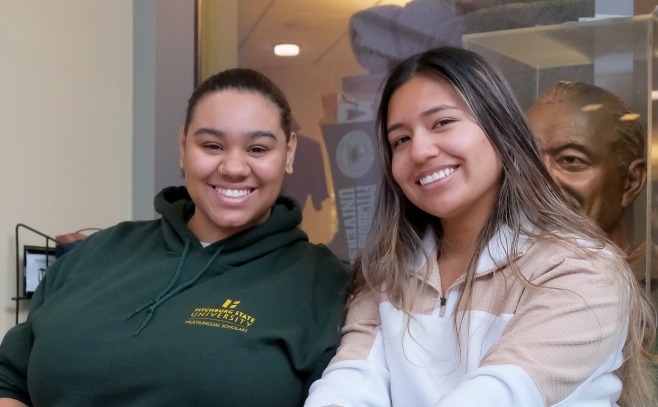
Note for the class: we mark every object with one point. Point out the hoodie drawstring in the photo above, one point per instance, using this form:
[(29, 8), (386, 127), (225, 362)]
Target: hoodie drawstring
[(168, 292)]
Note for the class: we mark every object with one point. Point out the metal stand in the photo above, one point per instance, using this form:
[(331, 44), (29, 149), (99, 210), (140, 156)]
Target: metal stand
[(19, 297)]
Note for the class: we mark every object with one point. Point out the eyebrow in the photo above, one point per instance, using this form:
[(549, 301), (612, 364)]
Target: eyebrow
[(218, 133), (426, 113), (564, 146), (208, 131)]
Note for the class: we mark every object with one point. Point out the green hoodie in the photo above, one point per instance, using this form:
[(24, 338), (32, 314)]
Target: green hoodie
[(141, 314)]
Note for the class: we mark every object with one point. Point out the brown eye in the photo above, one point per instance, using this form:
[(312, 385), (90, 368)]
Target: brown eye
[(442, 123), (212, 146), (572, 163), (257, 149), (400, 140)]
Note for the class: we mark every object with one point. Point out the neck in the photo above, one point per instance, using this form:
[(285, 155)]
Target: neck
[(457, 249), (618, 235), (461, 236), (458, 245)]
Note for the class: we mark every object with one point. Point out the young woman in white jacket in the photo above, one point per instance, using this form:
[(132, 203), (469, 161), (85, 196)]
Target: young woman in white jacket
[(478, 285)]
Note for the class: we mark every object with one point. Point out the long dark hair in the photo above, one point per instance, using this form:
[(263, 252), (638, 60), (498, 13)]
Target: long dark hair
[(529, 202)]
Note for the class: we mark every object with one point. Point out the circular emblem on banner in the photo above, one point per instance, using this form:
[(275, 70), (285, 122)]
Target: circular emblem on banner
[(355, 154)]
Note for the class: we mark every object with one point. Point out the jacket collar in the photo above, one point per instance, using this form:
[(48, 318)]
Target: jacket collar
[(493, 257)]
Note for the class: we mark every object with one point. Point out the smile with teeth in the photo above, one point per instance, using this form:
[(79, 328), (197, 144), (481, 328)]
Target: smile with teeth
[(233, 193), (437, 176)]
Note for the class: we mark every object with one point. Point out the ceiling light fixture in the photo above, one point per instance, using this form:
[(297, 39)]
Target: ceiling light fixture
[(286, 50)]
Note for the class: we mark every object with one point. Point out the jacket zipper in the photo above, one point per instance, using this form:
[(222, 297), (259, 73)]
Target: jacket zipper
[(442, 297), (442, 304)]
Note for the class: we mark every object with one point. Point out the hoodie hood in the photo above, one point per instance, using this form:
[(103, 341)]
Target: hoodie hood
[(176, 207), (281, 228)]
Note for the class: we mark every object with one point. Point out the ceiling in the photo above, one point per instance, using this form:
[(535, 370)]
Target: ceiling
[(319, 27)]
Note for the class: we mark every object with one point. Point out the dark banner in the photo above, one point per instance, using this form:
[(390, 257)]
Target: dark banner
[(354, 160)]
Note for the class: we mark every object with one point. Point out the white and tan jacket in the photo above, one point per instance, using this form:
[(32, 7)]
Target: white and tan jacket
[(555, 344)]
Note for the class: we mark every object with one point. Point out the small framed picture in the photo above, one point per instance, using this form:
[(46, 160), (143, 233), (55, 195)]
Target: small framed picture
[(36, 259)]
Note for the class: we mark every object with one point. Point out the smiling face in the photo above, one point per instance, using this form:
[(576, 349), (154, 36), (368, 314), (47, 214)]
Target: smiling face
[(234, 156), (576, 147), (441, 158)]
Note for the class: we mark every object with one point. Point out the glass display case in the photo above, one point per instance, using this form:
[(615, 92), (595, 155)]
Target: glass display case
[(617, 54)]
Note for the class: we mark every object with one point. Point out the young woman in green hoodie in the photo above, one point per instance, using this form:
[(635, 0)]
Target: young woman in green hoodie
[(220, 301)]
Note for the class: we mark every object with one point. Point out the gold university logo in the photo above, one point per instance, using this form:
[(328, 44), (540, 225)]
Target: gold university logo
[(226, 317), (230, 304)]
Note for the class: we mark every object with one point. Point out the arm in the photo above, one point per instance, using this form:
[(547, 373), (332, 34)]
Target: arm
[(358, 374), (14, 356), (15, 351), (330, 293), (564, 341), (5, 402)]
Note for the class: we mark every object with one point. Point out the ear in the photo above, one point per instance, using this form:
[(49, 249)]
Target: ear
[(636, 180), (181, 146), (290, 152)]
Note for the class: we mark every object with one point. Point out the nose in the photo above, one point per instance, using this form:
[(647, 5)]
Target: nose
[(234, 165), (423, 147)]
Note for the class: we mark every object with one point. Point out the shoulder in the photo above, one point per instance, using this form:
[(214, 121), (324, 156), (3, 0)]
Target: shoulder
[(323, 253), (130, 226), (321, 258), (128, 233), (545, 257), (321, 270)]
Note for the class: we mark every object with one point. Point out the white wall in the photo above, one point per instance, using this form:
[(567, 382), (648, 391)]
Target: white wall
[(65, 121)]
